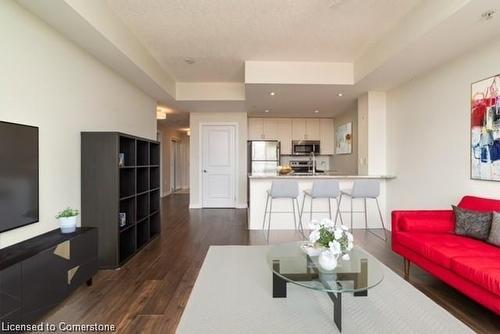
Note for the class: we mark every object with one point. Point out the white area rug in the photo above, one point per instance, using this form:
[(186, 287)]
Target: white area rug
[(233, 294)]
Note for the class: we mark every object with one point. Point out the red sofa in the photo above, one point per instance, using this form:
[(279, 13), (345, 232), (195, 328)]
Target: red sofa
[(427, 238)]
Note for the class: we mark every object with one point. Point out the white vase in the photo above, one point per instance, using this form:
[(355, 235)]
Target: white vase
[(67, 224), (328, 260)]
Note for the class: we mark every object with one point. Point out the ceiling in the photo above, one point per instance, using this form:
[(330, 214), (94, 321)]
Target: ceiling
[(299, 100), (219, 35), (306, 51)]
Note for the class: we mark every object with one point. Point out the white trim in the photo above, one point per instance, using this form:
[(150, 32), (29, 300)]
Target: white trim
[(242, 206), (195, 206), (236, 162), (159, 135)]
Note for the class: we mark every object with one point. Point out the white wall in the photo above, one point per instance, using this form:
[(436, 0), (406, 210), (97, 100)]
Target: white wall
[(428, 122), (195, 165), (48, 82)]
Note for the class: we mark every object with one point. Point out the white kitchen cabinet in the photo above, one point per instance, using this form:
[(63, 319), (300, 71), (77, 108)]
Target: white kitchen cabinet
[(284, 134), (312, 129), (256, 129), (298, 129), (305, 129), (271, 129), (327, 137), (288, 129)]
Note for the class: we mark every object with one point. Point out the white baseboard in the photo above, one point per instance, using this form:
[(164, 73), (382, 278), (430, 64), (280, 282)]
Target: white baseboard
[(195, 206), (241, 206)]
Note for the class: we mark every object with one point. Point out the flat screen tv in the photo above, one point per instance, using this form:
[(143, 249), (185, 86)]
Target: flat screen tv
[(18, 175)]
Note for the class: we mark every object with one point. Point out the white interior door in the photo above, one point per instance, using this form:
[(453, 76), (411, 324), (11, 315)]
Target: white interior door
[(218, 166)]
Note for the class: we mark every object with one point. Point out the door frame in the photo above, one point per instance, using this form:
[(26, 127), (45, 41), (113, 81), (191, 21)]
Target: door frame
[(236, 126)]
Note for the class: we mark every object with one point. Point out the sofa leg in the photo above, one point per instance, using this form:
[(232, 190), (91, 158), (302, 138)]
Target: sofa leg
[(406, 269)]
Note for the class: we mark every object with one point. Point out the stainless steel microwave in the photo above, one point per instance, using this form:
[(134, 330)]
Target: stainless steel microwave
[(305, 147)]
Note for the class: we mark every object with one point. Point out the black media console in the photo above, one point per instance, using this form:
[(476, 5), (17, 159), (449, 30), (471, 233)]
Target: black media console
[(37, 274)]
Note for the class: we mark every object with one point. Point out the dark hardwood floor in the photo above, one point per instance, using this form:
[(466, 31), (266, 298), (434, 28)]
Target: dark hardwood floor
[(149, 293)]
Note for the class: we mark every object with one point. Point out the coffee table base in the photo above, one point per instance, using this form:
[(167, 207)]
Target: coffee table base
[(360, 281)]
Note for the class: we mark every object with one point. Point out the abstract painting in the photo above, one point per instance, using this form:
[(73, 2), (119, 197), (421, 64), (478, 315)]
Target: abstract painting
[(343, 139), (485, 129)]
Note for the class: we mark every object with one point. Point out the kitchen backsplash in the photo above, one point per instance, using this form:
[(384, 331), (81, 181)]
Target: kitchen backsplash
[(322, 162)]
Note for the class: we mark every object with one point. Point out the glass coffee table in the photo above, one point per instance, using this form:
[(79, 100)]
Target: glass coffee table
[(290, 264)]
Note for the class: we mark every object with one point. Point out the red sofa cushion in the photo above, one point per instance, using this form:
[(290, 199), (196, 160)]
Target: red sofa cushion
[(427, 225), (479, 204), (443, 248), (482, 270)]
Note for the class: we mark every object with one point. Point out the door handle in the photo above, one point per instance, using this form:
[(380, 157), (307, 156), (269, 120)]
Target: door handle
[(204, 171)]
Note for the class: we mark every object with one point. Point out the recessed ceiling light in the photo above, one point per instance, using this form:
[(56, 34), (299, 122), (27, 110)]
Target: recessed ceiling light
[(340, 94), (189, 60), (316, 111), (267, 110), (488, 15), (272, 93)]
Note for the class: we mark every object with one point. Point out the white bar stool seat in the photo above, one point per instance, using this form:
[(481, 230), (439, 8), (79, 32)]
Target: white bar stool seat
[(281, 189), (322, 189), (364, 189)]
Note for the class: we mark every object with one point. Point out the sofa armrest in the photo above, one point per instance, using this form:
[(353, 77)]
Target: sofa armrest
[(430, 221)]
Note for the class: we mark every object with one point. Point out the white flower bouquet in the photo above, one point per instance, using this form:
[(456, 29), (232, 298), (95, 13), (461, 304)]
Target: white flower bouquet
[(329, 242)]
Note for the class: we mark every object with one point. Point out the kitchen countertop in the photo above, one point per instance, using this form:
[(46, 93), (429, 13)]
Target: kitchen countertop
[(327, 175)]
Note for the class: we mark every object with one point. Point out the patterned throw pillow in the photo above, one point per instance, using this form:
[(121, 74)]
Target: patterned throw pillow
[(473, 224), (494, 237)]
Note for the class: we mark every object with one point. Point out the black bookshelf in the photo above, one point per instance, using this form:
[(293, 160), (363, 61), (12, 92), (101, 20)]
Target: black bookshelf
[(120, 177)]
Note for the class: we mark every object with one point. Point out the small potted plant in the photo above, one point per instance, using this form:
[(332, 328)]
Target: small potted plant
[(67, 220)]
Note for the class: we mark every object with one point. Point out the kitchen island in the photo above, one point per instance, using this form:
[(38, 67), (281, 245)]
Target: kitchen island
[(282, 217)]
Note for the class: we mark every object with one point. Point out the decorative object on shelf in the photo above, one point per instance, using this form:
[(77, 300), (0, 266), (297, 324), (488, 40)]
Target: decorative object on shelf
[(123, 219), (67, 220), (121, 159), (329, 243), (343, 139), (485, 129)]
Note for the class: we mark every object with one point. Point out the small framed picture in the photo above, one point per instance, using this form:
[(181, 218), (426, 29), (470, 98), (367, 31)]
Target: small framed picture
[(123, 219), (121, 159)]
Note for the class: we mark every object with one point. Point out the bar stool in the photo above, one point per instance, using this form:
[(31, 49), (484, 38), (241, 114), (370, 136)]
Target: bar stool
[(322, 189), (281, 189), (365, 189)]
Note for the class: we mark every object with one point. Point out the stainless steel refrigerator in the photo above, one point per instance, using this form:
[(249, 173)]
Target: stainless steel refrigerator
[(263, 156)]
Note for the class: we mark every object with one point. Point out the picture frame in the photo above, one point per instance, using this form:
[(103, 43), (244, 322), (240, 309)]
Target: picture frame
[(343, 139), (484, 130)]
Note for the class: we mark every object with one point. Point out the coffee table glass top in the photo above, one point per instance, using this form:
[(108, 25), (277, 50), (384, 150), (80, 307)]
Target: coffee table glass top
[(360, 273)]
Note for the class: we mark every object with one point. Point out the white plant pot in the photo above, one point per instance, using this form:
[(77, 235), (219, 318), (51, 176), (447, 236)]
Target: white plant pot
[(327, 260), (67, 224)]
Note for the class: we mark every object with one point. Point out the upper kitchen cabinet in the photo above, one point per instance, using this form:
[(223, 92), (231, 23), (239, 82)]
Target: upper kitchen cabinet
[(256, 129), (284, 133), (263, 128), (305, 129), (312, 129), (327, 138), (271, 129), (298, 129)]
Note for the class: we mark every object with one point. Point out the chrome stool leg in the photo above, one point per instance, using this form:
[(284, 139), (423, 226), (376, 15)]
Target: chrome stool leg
[(269, 223), (329, 208), (265, 213)]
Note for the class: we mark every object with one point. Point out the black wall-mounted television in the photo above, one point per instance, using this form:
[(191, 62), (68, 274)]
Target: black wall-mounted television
[(18, 175)]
